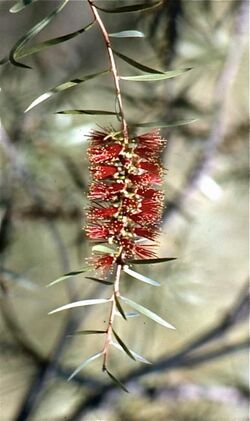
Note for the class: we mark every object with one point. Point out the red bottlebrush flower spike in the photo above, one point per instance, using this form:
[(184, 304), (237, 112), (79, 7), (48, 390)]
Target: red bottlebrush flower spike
[(103, 154), (152, 141), (99, 138), (105, 191), (145, 179), (102, 262), (104, 171), (144, 252), (96, 213), (125, 172), (97, 232), (148, 233), (151, 167)]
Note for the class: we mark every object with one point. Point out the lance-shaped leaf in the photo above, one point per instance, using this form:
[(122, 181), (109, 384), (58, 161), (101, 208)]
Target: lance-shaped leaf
[(20, 53), (103, 249), (116, 381), (136, 64), (100, 281), (136, 356), (53, 41), (85, 362), (147, 312), (81, 304), (88, 332), (20, 5), (127, 34), (141, 277), (155, 77), (63, 87), (46, 44), (119, 308), (150, 261), (67, 275), (132, 8), (31, 34), (89, 112), (162, 124), (122, 344)]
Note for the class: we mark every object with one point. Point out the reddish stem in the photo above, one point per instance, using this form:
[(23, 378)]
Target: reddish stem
[(113, 67), (108, 338)]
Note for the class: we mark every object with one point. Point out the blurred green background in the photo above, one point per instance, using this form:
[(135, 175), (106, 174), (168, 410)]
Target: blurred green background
[(200, 370)]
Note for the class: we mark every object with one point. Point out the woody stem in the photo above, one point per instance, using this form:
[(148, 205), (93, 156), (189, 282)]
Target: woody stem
[(113, 67), (108, 338)]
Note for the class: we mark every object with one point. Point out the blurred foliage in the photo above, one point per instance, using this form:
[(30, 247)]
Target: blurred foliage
[(43, 193)]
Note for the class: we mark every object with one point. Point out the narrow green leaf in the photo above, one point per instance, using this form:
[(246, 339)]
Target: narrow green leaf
[(101, 281), (90, 112), (150, 261), (137, 357), (62, 278), (141, 277), (85, 362), (127, 34), (162, 124), (20, 5), (116, 381), (136, 64), (140, 358), (88, 332), (63, 87), (131, 8), (54, 41), (76, 272), (81, 304), (122, 344), (47, 44), (31, 34), (103, 249), (119, 308), (155, 77), (67, 275), (147, 312)]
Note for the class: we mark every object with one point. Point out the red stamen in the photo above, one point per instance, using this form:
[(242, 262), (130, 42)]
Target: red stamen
[(104, 171), (102, 154)]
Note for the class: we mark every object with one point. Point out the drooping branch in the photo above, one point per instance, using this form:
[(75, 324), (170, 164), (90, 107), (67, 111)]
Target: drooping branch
[(114, 71), (113, 66)]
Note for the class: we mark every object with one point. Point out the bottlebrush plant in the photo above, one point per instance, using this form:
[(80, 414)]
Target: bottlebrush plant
[(125, 195)]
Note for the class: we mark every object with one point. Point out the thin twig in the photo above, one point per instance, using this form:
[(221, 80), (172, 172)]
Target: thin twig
[(113, 67), (114, 71), (108, 338)]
